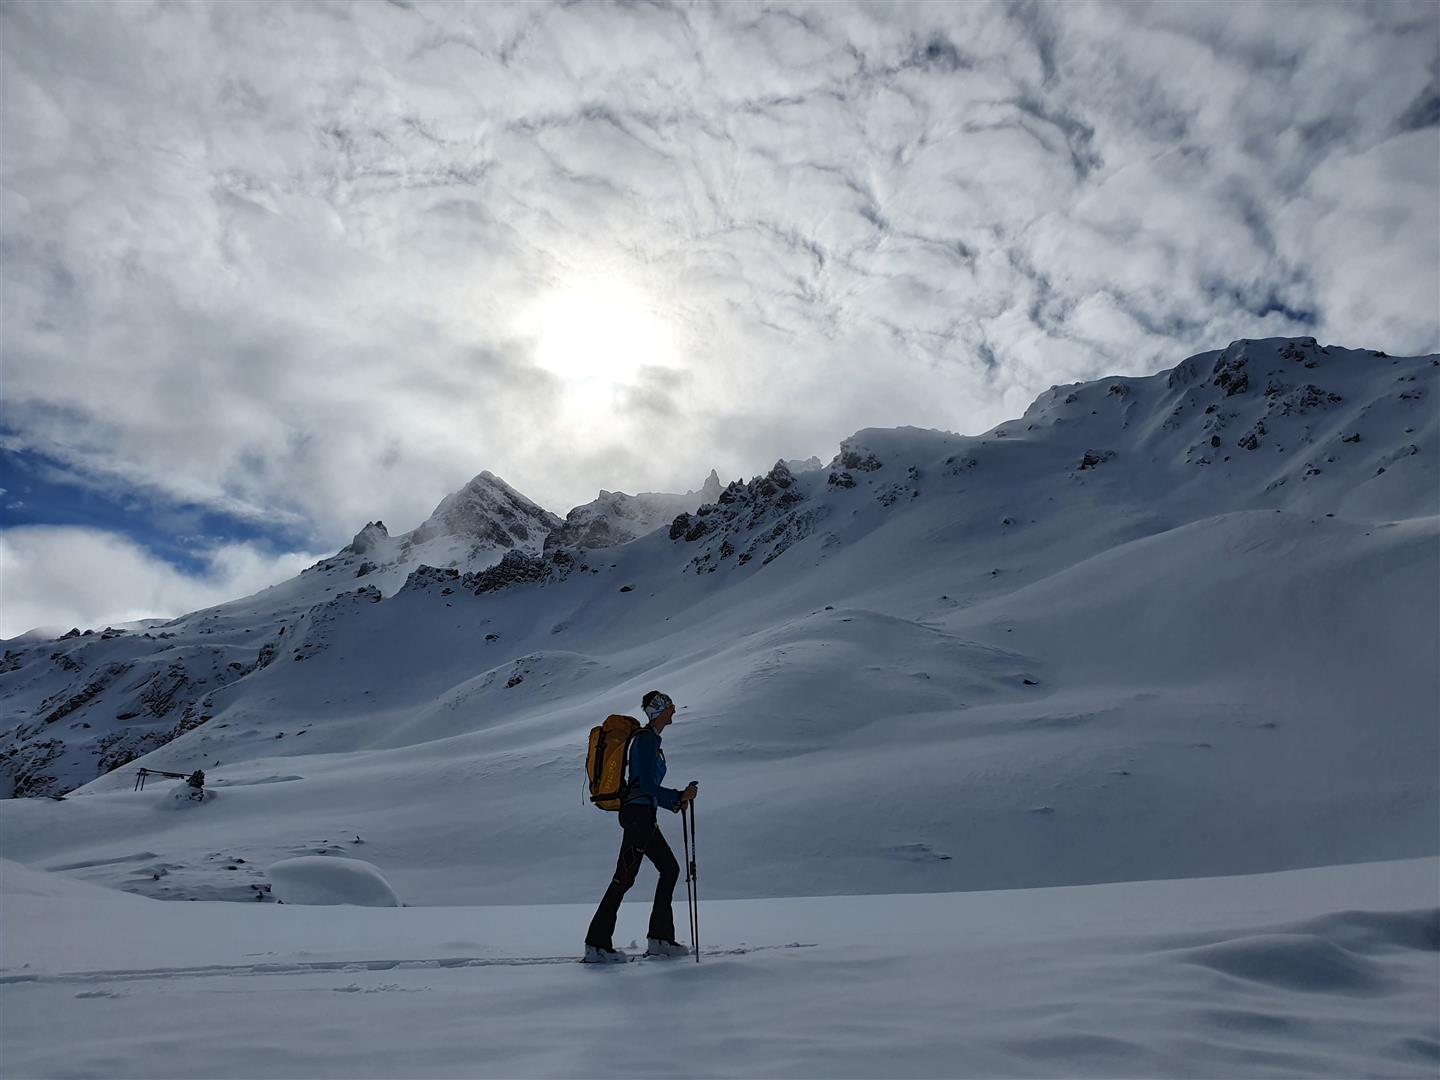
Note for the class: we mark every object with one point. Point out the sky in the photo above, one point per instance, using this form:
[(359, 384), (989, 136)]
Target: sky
[(270, 271)]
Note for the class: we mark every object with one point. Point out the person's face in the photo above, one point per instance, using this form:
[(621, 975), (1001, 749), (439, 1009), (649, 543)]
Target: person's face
[(664, 719)]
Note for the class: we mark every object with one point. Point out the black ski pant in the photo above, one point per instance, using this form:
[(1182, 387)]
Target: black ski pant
[(643, 839)]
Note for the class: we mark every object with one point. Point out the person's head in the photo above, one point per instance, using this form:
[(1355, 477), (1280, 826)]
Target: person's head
[(659, 709)]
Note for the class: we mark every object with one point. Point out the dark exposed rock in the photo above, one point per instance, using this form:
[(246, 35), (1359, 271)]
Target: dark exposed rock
[(425, 577), (1093, 458), (851, 458), (1229, 373), (28, 765), (1251, 439), (742, 509), (1303, 351), (75, 701), (516, 568), (1306, 398), (889, 494), (267, 654)]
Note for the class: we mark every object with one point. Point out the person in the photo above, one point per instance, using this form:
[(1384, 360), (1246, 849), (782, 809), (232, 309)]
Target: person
[(644, 794)]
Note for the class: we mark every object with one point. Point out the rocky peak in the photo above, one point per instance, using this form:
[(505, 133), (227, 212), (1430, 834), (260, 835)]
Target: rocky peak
[(710, 490), (488, 509), (368, 538)]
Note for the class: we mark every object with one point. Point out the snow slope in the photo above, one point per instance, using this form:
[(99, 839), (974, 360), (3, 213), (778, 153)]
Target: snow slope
[(944, 663)]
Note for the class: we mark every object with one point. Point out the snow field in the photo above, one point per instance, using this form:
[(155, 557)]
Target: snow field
[(1328, 972)]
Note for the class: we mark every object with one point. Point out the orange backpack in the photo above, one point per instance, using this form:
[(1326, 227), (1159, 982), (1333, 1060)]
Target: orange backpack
[(605, 761)]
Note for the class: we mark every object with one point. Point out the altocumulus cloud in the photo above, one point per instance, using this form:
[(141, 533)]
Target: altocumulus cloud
[(322, 263)]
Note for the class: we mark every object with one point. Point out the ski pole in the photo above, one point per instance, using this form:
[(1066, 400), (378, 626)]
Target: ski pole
[(695, 903), (689, 871), (689, 885)]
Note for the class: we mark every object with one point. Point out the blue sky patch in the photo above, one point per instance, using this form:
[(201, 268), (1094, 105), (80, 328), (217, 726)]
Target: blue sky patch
[(39, 490)]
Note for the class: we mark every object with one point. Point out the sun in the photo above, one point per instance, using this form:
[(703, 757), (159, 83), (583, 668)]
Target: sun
[(599, 331)]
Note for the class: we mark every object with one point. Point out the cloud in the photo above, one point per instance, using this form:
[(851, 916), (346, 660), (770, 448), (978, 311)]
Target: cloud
[(56, 577), (277, 263)]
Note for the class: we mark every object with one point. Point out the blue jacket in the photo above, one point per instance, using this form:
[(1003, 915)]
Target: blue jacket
[(647, 771)]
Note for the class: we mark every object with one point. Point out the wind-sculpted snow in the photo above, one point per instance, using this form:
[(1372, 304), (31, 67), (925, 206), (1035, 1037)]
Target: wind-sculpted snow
[(323, 880), (1103, 641)]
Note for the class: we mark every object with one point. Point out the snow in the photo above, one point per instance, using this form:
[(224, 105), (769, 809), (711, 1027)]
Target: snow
[(1325, 972), (1081, 747), (319, 879)]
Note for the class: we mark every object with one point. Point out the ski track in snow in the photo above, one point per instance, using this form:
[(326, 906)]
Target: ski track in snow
[(310, 967)]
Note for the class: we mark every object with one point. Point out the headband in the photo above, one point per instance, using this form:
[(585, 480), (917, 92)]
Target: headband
[(657, 706)]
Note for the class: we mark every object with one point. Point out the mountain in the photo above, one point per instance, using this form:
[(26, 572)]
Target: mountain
[(471, 529), (1174, 626), (616, 518), (125, 691)]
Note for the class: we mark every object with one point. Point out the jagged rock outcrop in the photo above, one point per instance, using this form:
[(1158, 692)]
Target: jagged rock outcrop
[(1095, 458), (368, 539), (761, 518)]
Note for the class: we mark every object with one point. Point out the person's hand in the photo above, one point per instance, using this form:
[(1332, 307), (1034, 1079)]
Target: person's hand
[(688, 795)]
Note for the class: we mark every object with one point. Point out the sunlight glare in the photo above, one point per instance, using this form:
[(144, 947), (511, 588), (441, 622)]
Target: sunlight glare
[(600, 331)]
